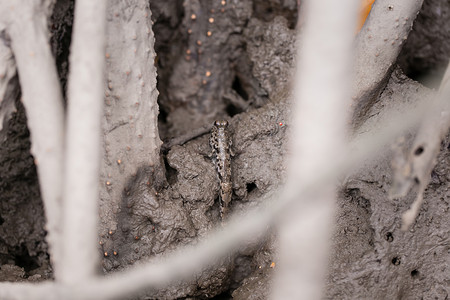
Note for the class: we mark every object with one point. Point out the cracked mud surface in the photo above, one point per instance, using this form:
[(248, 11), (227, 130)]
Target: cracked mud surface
[(176, 203)]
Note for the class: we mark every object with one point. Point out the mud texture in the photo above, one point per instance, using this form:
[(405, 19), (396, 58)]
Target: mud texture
[(60, 25), (273, 67), (372, 258), (249, 56), (204, 70), (23, 250), (156, 217)]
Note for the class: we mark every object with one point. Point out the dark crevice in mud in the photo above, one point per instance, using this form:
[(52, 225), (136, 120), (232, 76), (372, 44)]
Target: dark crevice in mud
[(251, 187), (430, 77), (61, 23), (224, 296), (232, 110), (166, 19), (239, 89), (268, 10), (424, 56), (162, 116), (23, 259), (171, 173), (162, 122)]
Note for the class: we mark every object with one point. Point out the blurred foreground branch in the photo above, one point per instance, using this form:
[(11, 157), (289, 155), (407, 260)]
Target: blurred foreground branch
[(319, 130), (421, 159)]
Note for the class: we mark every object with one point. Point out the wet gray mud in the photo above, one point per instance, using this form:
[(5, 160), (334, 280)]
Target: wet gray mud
[(23, 250), (233, 60)]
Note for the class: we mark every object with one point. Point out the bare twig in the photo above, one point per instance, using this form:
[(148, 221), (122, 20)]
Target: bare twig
[(422, 157), (85, 95), (42, 99)]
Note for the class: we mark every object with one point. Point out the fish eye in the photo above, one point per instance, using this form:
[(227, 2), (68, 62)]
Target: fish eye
[(217, 123)]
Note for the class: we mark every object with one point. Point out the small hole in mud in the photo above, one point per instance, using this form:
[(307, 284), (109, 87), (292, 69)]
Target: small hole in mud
[(416, 180), (223, 296), (171, 173), (24, 260), (419, 151), (237, 86), (414, 273), (232, 110), (251, 187), (2, 220), (396, 261), (389, 237)]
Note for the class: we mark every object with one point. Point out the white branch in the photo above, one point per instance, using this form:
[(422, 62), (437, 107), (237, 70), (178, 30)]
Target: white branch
[(377, 47), (85, 95), (42, 99), (319, 130)]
